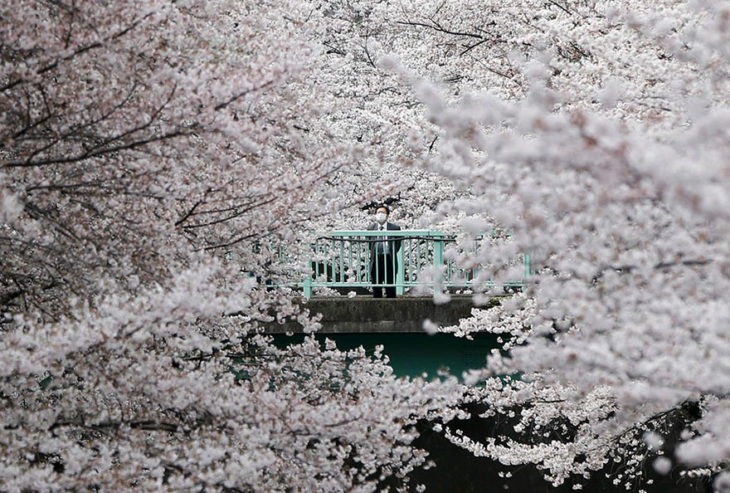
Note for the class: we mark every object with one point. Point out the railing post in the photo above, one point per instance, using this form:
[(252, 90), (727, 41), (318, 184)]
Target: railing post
[(527, 263), (307, 284), (341, 276), (400, 277), (438, 262)]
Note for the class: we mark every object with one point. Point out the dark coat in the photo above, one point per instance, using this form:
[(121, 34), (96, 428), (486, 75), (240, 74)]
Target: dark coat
[(395, 243)]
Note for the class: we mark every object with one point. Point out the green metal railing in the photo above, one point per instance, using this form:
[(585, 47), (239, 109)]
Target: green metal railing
[(342, 259)]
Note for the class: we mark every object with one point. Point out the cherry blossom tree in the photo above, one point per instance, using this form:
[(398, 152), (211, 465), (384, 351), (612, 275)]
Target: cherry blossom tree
[(106, 122), (153, 155), (597, 134)]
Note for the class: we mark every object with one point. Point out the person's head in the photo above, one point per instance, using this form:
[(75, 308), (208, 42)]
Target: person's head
[(381, 214)]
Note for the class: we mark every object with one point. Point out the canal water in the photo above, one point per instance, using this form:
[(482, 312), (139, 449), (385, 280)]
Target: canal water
[(413, 354)]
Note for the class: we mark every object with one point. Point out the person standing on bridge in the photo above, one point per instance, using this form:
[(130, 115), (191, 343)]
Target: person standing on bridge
[(383, 254)]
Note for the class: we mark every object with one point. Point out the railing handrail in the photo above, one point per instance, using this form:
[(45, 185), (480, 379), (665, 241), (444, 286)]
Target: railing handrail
[(408, 233)]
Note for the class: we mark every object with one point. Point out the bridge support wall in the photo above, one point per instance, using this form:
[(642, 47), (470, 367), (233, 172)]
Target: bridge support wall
[(363, 314)]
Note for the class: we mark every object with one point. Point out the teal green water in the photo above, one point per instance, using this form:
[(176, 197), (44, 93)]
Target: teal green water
[(414, 354)]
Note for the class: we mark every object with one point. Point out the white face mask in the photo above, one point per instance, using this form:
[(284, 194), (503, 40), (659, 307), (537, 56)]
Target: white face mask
[(381, 217)]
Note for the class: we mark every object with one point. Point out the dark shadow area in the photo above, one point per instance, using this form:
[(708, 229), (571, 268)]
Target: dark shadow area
[(459, 471)]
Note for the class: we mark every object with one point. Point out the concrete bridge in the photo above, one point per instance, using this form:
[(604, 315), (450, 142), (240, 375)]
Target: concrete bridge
[(341, 261), (364, 314)]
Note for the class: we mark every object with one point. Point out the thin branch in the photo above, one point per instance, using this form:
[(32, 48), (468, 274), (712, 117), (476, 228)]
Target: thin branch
[(437, 27), (189, 213), (100, 152), (241, 94), (238, 213), (367, 52), (561, 7), (472, 46), (231, 242)]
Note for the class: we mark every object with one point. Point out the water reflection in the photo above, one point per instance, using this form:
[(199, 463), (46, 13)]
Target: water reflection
[(413, 354)]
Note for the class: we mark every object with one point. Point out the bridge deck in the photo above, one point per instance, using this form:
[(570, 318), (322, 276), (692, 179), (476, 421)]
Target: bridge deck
[(362, 314)]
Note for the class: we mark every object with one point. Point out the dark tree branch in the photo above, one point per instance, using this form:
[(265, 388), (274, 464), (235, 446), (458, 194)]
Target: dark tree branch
[(561, 7), (189, 213), (238, 212), (437, 27), (241, 94), (89, 154)]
